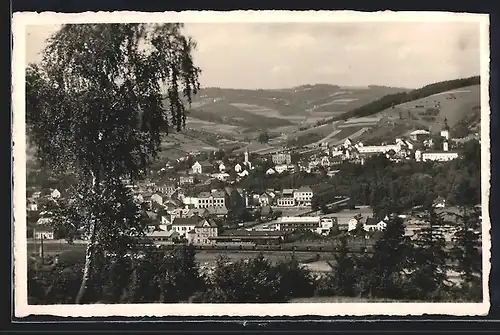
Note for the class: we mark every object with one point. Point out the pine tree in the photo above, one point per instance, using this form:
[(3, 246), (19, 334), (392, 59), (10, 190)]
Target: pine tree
[(390, 261), (342, 280), (466, 248)]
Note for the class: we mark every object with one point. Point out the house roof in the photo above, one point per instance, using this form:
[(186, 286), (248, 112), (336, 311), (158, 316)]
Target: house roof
[(243, 232), (304, 189), (43, 228), (211, 223), (205, 163), (216, 194), (217, 210), (162, 233), (190, 221), (419, 132)]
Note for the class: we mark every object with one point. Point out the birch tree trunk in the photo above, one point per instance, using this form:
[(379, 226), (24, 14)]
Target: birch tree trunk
[(89, 257), (91, 248)]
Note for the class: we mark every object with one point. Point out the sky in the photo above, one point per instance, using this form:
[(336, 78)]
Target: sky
[(282, 55)]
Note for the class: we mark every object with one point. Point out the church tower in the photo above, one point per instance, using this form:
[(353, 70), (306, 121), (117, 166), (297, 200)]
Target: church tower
[(445, 132), (247, 161)]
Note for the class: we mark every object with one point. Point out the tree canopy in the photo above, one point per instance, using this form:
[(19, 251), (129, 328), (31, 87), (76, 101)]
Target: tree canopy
[(95, 107)]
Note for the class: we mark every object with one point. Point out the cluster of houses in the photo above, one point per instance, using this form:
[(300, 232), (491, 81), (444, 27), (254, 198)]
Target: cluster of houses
[(221, 171), (417, 146)]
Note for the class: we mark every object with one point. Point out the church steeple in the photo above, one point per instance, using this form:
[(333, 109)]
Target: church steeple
[(446, 127), (445, 132)]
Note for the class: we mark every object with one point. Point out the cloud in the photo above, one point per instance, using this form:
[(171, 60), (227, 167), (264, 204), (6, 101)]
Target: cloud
[(273, 55)]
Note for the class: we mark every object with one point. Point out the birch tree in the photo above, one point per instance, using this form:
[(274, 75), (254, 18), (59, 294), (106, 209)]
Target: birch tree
[(95, 107)]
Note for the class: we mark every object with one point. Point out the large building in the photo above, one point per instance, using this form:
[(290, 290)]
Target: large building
[(281, 158), (303, 196), (203, 232), (439, 156), (215, 199), (293, 223)]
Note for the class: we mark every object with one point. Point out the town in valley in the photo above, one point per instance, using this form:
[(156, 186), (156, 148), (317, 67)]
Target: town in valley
[(332, 183)]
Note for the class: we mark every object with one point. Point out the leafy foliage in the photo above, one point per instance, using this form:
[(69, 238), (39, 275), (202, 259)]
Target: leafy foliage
[(94, 108)]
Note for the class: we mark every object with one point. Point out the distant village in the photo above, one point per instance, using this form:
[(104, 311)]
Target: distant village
[(182, 205)]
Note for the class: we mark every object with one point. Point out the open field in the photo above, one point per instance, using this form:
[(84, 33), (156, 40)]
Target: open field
[(212, 127), (453, 105), (275, 109)]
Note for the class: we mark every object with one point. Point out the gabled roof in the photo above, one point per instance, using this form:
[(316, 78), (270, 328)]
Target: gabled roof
[(206, 223), (162, 233), (304, 189), (217, 210), (419, 132), (44, 228), (191, 221), (206, 164)]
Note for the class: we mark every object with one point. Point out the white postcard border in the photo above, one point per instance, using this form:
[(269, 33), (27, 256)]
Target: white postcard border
[(21, 20)]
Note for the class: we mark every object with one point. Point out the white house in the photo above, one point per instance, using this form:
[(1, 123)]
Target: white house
[(372, 224), (55, 194), (281, 168), (379, 148), (238, 168), (417, 135), (303, 196), (196, 168), (184, 225), (222, 167), (157, 198), (270, 171), (325, 161), (221, 176), (138, 198), (32, 206), (325, 226), (347, 143), (352, 224), (44, 221), (45, 233), (264, 199), (243, 173), (442, 156)]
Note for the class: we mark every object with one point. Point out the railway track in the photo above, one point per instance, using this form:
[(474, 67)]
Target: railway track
[(273, 248)]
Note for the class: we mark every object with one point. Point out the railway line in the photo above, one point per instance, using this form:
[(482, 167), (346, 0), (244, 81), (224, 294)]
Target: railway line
[(226, 247), (273, 248)]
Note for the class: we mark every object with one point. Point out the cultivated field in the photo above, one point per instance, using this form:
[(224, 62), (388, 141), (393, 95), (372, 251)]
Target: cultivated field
[(453, 105)]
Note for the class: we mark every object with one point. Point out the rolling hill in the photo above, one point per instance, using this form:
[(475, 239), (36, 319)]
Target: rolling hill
[(278, 110), (311, 114), (460, 108)]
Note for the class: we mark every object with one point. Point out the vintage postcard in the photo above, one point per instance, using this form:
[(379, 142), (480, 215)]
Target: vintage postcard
[(251, 163)]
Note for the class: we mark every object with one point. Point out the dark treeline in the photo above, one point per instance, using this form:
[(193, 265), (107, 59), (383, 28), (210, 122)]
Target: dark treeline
[(399, 269), (391, 100), (396, 187)]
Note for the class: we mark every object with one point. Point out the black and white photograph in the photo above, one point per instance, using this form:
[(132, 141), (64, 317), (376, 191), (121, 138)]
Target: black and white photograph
[(251, 163)]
